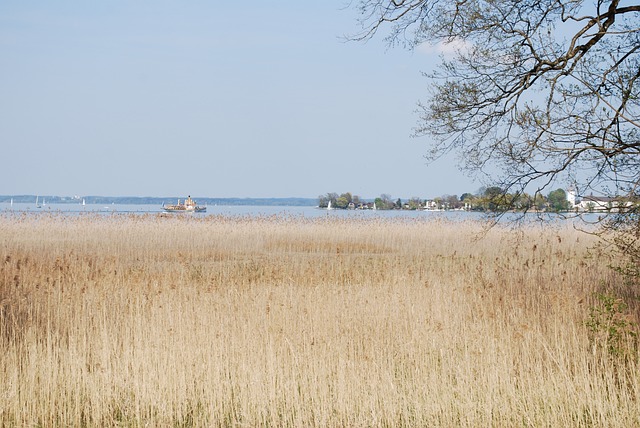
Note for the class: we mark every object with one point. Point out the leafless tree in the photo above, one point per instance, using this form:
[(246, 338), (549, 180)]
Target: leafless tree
[(535, 93)]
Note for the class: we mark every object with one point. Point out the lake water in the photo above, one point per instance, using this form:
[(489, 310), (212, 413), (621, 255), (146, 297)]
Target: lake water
[(258, 211), (232, 210)]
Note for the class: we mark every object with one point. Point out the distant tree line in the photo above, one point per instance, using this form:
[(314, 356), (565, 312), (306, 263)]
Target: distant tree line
[(487, 199)]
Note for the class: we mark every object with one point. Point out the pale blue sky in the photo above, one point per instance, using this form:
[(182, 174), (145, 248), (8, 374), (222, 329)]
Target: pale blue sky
[(216, 99)]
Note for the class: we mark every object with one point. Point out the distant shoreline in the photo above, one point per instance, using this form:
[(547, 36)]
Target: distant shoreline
[(149, 200)]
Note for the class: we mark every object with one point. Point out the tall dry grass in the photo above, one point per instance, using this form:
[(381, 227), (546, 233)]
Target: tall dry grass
[(277, 321)]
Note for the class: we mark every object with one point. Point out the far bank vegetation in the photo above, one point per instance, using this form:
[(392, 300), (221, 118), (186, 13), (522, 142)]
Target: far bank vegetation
[(491, 199)]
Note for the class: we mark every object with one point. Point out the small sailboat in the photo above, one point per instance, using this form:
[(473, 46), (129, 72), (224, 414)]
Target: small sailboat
[(38, 203), (83, 203), (329, 206)]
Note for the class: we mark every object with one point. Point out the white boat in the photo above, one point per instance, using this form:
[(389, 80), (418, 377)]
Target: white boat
[(189, 205), (329, 206), (38, 203)]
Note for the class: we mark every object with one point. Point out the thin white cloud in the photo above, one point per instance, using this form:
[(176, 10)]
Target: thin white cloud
[(444, 48)]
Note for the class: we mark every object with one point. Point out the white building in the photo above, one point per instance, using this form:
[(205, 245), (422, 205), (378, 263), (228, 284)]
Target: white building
[(601, 203), (571, 197)]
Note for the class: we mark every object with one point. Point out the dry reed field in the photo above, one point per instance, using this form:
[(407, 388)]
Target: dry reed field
[(149, 320)]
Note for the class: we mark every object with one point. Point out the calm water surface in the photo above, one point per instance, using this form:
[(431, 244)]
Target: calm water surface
[(255, 211), (231, 210)]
